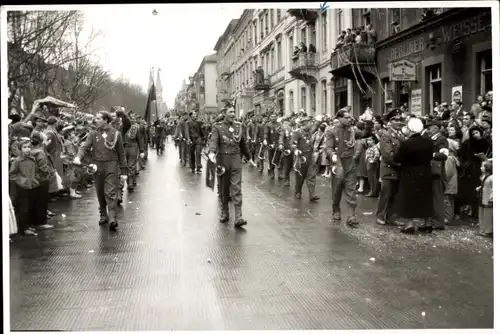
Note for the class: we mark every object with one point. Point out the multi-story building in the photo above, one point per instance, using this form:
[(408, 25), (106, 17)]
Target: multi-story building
[(205, 85), (423, 56), (181, 99), (224, 61)]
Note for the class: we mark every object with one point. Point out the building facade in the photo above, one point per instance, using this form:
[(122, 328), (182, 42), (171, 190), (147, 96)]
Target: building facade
[(423, 57), (205, 86)]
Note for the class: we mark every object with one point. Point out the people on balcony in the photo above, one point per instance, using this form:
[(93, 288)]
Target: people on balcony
[(372, 34), (312, 48), (303, 47)]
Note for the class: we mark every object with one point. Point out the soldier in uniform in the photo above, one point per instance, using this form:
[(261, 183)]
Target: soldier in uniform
[(390, 141), (133, 143), (195, 138), (143, 132), (160, 136), (302, 146), (340, 146), (108, 154), (271, 140), (285, 144), (179, 135), (258, 141), (227, 145), (250, 135)]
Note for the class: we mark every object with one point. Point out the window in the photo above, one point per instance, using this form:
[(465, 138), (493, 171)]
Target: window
[(255, 33), (261, 21), (324, 32), (291, 47), (339, 21), (313, 98), (485, 66), (312, 39), (323, 96), (271, 55), (303, 98), (291, 101), (303, 35), (266, 23), (278, 15), (268, 64), (395, 20), (387, 95), (278, 49), (272, 18), (435, 85)]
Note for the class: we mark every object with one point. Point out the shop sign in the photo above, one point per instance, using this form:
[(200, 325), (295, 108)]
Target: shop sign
[(416, 102), (403, 70), (456, 94)]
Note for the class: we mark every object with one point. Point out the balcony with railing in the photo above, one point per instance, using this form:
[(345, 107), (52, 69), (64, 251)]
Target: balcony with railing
[(309, 15), (350, 61), (305, 67), (248, 90), (261, 82)]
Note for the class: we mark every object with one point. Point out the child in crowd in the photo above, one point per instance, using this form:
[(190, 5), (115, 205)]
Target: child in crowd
[(23, 171), (451, 178), (372, 159), (486, 199)]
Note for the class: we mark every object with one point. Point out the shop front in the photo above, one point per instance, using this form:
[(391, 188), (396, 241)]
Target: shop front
[(443, 59)]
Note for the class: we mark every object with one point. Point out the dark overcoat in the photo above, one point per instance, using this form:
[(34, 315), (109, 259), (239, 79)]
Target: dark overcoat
[(414, 199)]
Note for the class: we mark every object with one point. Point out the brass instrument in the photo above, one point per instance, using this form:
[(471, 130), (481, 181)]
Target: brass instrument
[(220, 170), (284, 153), (260, 155), (298, 162), (274, 158)]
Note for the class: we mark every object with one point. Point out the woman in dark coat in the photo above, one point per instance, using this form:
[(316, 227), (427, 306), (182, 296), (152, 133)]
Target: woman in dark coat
[(414, 199), (471, 154)]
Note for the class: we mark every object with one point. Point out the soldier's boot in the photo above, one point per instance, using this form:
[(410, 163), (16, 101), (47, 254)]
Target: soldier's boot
[(287, 183), (352, 220), (271, 173), (298, 195), (113, 225), (238, 219), (224, 212), (336, 213), (104, 219), (280, 174), (312, 195)]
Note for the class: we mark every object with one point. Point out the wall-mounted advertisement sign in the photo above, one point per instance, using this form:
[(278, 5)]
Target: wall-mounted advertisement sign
[(403, 70)]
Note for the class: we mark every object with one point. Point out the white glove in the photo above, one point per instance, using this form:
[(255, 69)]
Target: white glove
[(141, 155), (280, 147), (444, 151), (297, 152), (77, 161), (124, 177), (211, 156), (334, 158), (265, 142)]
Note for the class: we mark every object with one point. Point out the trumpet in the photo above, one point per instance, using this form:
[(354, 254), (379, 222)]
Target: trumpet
[(220, 170), (284, 153), (299, 161)]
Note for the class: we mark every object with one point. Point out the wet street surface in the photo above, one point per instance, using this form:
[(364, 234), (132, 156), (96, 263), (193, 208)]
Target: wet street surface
[(172, 265)]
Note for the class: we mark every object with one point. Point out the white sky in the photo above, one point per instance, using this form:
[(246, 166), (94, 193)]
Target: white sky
[(176, 40)]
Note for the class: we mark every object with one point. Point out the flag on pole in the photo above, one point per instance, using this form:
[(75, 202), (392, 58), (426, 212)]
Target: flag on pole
[(151, 102), (159, 96)]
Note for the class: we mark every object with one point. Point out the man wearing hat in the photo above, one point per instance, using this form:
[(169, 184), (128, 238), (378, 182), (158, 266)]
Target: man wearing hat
[(195, 138), (302, 146), (390, 141), (181, 138), (133, 144), (259, 142), (284, 145), (340, 145), (226, 146), (106, 146), (271, 140)]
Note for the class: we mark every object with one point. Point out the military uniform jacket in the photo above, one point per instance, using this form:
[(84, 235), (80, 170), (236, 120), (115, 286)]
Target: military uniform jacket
[(302, 140), (133, 137), (271, 132), (228, 140), (99, 141), (338, 140), (390, 141), (250, 130), (179, 130), (285, 136), (195, 131), (259, 133)]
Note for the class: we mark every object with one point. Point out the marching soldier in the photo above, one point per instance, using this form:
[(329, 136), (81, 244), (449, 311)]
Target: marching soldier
[(259, 142), (179, 135), (195, 138), (286, 149), (340, 146), (134, 148), (143, 132), (227, 145), (108, 154), (250, 135), (160, 136), (271, 140), (117, 124), (302, 145)]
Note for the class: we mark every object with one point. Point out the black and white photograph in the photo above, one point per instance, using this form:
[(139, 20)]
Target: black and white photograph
[(249, 166)]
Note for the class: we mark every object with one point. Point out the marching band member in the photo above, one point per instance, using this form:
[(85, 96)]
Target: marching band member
[(133, 145), (302, 145), (259, 142), (340, 146), (271, 140), (226, 146), (284, 146), (106, 145)]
